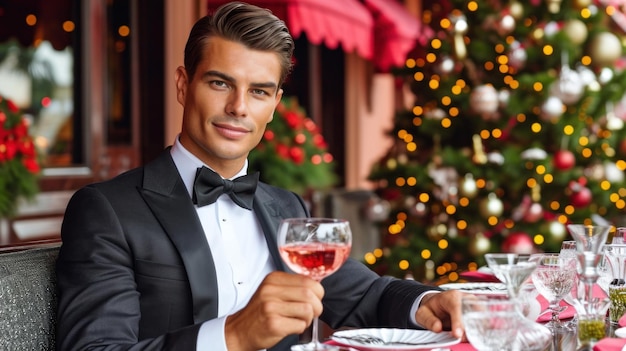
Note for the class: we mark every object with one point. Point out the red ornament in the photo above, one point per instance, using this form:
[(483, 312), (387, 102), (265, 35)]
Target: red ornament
[(534, 213), (564, 160), (519, 243), (581, 196)]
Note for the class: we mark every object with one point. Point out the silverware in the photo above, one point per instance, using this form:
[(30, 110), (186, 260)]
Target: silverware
[(374, 340)]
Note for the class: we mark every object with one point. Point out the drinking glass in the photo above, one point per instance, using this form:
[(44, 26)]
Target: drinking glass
[(590, 239), (491, 323), (511, 269), (554, 278), (315, 247)]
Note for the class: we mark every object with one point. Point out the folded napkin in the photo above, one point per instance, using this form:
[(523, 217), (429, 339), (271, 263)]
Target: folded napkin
[(610, 344), (478, 276), (570, 311)]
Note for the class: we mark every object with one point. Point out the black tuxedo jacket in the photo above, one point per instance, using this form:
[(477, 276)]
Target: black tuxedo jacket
[(135, 271)]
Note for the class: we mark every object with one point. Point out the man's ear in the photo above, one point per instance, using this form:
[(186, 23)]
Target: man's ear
[(182, 82)]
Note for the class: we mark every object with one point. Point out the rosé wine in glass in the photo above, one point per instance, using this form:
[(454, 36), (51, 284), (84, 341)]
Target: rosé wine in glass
[(315, 247)]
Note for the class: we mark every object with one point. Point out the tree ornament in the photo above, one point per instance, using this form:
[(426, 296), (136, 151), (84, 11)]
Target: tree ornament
[(484, 99), (576, 31), (569, 87), (504, 95), (491, 206), (612, 122), (377, 209), (534, 153), (506, 25), (519, 243), (554, 6), (581, 4), (581, 195), (479, 153), (517, 55), (552, 108), (534, 213), (446, 65), (516, 9), (459, 27), (557, 230), (604, 49), (468, 186), (564, 160), (479, 245), (612, 173)]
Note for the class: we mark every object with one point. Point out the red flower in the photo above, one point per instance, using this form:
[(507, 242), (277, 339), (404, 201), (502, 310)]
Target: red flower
[(12, 107), (296, 154), (292, 119), (268, 135), (282, 150), (31, 165)]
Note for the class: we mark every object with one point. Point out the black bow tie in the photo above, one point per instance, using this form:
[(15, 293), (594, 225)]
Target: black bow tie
[(208, 186)]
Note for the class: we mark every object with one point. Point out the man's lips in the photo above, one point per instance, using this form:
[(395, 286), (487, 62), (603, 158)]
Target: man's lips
[(231, 131)]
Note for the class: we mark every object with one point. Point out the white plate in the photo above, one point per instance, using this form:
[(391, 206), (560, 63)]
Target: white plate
[(423, 338), (620, 332), (477, 288)]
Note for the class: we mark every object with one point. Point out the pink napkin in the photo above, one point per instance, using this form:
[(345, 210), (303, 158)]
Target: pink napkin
[(476, 276), (570, 311), (610, 344), (622, 321)]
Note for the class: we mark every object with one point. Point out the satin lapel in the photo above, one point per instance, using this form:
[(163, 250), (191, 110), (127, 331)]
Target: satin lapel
[(268, 214), (167, 196)]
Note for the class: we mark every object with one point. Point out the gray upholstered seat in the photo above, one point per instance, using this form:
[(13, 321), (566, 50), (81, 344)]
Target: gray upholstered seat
[(28, 299)]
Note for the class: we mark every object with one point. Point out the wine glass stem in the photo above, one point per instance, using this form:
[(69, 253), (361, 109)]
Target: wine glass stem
[(315, 334), (589, 293)]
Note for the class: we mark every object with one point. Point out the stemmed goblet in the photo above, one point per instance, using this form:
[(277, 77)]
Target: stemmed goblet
[(513, 270), (590, 239), (554, 278), (315, 247)]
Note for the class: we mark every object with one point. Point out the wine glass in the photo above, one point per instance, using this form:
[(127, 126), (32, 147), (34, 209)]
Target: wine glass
[(590, 239), (315, 247), (554, 278), (511, 269)]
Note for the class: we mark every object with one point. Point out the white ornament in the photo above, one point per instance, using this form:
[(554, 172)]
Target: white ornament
[(612, 173), (569, 87), (534, 153), (484, 99), (552, 107), (604, 49)]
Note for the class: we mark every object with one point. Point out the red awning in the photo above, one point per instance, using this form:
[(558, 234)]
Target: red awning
[(332, 22), (397, 32)]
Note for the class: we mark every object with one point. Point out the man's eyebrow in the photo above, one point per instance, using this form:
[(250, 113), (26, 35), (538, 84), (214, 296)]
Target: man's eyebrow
[(226, 77)]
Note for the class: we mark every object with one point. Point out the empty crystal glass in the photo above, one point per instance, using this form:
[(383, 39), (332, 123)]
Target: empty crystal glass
[(491, 324)]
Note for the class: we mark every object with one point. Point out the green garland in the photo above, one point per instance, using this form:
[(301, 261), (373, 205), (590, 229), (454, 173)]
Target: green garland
[(293, 153), (19, 166)]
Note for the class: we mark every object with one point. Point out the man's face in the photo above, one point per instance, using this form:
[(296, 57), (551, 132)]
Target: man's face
[(228, 103)]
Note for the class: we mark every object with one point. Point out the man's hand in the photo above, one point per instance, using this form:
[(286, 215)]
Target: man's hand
[(442, 311), (283, 304)]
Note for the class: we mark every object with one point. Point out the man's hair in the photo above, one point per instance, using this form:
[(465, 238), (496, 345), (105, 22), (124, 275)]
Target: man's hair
[(252, 26)]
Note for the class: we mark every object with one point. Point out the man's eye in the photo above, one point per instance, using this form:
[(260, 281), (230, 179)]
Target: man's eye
[(259, 92), (218, 83)]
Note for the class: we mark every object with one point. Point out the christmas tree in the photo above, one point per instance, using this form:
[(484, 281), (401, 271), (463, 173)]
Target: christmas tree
[(516, 129)]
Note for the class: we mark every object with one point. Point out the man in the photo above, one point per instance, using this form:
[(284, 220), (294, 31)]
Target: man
[(149, 263)]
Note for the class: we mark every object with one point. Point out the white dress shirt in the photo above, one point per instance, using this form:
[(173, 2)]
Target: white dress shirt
[(241, 257)]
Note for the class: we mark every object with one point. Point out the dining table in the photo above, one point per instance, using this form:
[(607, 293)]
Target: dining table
[(561, 341)]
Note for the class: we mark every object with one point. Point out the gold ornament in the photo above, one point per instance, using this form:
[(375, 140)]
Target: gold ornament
[(554, 6), (517, 10), (576, 31), (479, 153), (604, 49), (479, 245), (459, 28), (491, 206), (468, 186), (581, 4)]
